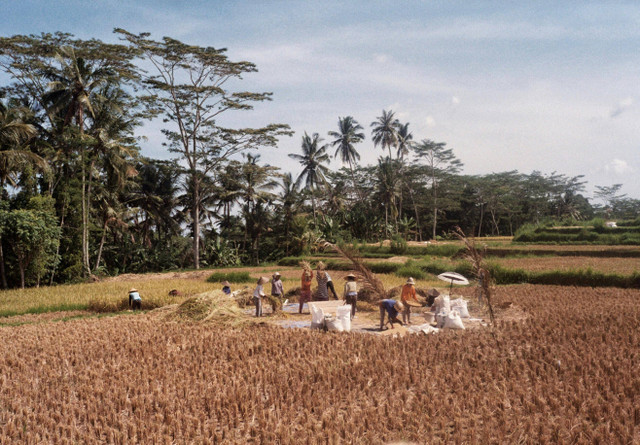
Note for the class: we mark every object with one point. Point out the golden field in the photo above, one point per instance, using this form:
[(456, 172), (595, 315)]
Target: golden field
[(564, 372)]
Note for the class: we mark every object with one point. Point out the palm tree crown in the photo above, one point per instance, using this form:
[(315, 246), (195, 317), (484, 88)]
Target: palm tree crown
[(385, 130), (404, 140), (312, 157), (345, 138)]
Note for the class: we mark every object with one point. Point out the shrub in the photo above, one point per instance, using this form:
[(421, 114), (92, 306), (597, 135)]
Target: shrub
[(411, 269), (231, 277), (398, 245)]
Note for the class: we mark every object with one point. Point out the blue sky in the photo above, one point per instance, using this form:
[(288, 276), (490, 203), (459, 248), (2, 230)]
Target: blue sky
[(548, 86)]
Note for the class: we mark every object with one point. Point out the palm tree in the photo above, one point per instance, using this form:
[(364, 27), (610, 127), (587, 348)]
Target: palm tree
[(385, 131), (388, 188), (404, 137), (312, 157), (71, 93), (348, 135), (256, 182)]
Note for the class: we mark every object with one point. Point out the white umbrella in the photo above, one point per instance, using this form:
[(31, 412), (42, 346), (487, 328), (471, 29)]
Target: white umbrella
[(453, 277)]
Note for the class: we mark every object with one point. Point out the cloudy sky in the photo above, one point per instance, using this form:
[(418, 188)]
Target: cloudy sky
[(553, 87)]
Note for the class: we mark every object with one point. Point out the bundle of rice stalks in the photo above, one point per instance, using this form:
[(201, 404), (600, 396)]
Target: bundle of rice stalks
[(243, 296), (208, 306), (371, 284)]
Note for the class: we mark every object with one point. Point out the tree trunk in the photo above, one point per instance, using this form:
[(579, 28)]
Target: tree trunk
[(2, 272), (53, 271), (481, 217), (21, 267), (435, 208), (104, 233), (86, 268), (196, 228)]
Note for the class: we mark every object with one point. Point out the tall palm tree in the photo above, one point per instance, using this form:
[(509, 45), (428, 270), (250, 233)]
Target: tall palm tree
[(349, 134), (388, 188), (313, 174), (71, 93), (256, 182), (404, 137), (385, 131)]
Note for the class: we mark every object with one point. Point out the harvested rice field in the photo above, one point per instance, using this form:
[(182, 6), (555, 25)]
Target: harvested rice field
[(623, 266), (567, 372)]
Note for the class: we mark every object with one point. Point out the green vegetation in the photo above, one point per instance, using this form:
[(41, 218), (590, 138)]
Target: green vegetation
[(231, 277)]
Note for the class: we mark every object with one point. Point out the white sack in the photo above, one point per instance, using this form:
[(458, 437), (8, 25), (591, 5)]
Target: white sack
[(317, 317), (460, 305), (343, 313), (440, 318), (453, 321), (333, 324), (442, 303)]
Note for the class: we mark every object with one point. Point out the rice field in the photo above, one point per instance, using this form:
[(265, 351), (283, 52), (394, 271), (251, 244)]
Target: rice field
[(566, 373), (625, 266)]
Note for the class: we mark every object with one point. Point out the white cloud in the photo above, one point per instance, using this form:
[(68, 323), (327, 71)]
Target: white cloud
[(430, 121), (618, 166), (381, 58), (622, 106), (455, 100)]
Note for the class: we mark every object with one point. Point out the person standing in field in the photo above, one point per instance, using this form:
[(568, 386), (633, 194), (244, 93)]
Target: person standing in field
[(277, 292), (305, 284), (391, 308), (258, 295), (135, 301), (330, 285), (408, 294), (350, 293), (322, 278)]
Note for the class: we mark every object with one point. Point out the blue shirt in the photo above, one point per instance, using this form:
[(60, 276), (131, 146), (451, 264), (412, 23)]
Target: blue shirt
[(388, 305), (135, 296), (226, 290)]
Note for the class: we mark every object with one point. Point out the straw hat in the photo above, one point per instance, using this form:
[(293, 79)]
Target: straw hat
[(433, 292), (226, 284), (276, 275), (351, 276), (410, 281), (399, 306), (133, 289), (263, 280)]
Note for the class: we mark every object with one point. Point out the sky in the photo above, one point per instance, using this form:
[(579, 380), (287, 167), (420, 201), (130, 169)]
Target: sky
[(545, 85)]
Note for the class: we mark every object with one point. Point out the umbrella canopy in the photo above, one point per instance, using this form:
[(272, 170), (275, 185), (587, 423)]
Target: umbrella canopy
[(453, 277)]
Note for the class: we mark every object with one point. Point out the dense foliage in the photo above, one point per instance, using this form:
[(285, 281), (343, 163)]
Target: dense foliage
[(69, 115)]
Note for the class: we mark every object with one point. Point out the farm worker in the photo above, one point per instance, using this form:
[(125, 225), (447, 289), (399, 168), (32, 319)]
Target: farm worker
[(258, 294), (431, 296), (330, 285), (321, 276), (305, 282), (408, 294), (350, 293), (392, 308), (135, 302), (277, 291), (226, 287)]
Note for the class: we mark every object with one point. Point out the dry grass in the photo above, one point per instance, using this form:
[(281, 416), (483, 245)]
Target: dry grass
[(566, 374)]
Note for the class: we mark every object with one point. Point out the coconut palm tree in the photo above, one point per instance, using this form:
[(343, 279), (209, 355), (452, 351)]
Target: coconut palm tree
[(349, 134), (385, 131), (403, 143), (313, 174), (70, 97)]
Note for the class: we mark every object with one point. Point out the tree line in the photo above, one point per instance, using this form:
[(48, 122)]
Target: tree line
[(77, 199)]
